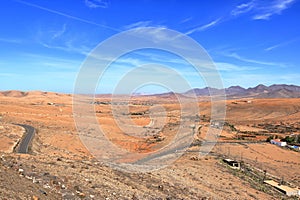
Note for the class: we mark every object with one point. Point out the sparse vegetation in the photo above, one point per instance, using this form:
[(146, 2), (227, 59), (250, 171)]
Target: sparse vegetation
[(293, 139), (231, 126)]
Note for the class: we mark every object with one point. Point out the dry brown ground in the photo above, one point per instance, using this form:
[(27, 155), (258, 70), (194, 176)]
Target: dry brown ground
[(9, 136), (57, 138)]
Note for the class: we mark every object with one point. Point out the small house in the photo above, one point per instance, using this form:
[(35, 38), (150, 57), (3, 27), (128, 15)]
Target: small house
[(278, 142), (232, 163)]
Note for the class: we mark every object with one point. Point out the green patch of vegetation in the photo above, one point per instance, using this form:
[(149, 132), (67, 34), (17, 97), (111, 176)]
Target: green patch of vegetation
[(231, 126), (292, 139)]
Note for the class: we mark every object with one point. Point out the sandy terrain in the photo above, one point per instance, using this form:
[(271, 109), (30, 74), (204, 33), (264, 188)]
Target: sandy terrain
[(9, 136), (58, 151)]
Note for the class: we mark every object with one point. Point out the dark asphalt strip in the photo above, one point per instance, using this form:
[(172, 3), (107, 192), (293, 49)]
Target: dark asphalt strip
[(26, 140)]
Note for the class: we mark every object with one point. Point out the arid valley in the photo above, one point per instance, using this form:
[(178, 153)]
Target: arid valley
[(59, 166)]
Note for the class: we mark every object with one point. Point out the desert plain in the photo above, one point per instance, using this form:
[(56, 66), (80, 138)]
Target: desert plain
[(59, 166)]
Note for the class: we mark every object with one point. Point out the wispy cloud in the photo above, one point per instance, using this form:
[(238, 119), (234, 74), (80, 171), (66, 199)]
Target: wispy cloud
[(229, 67), (59, 33), (67, 15), (51, 63), (10, 40), (274, 47), (185, 20), (62, 39), (238, 57), (204, 27), (265, 12), (138, 24), (262, 10), (270, 48), (243, 8), (96, 3), (67, 47), (157, 34)]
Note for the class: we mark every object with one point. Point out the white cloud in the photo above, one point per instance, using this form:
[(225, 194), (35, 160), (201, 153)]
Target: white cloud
[(10, 40), (236, 56), (67, 47), (262, 10), (157, 34), (264, 16), (270, 48), (68, 16), (155, 57), (51, 62), (229, 67), (63, 39), (138, 24), (243, 8), (131, 61), (96, 3), (276, 7), (204, 27), (59, 33), (273, 47), (185, 20)]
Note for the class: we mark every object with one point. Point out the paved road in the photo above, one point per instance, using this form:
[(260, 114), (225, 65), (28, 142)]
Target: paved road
[(26, 140)]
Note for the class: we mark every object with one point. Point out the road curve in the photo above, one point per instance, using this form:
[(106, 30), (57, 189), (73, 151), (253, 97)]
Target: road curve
[(26, 140)]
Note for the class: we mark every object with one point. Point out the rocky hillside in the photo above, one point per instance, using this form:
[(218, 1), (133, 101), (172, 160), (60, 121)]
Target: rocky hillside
[(260, 91)]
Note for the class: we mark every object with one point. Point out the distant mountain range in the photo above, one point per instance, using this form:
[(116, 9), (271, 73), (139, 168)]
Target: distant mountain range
[(233, 92), (260, 91)]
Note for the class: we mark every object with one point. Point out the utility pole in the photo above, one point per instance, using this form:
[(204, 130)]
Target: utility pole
[(282, 181), (228, 152), (241, 157), (241, 162), (265, 175)]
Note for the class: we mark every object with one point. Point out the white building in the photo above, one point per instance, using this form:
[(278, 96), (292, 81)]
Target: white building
[(278, 142)]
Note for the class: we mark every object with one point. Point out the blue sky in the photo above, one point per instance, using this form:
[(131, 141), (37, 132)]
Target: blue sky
[(44, 43)]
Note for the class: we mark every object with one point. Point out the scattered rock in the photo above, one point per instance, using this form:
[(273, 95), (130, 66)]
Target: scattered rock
[(35, 198), (161, 187), (81, 195), (67, 195), (59, 159), (195, 158), (77, 188), (46, 174), (43, 192)]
